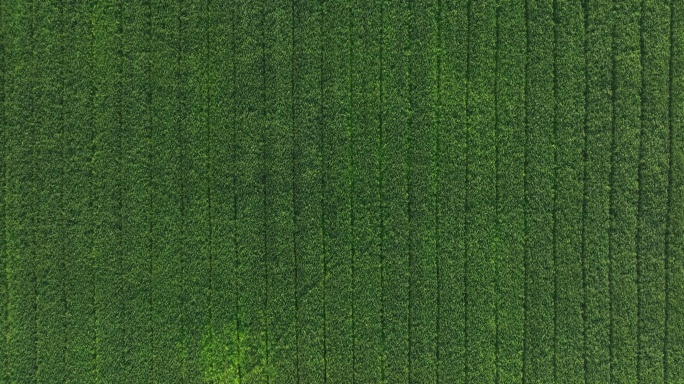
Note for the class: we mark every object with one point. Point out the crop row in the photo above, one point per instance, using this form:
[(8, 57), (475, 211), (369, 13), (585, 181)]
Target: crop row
[(385, 191)]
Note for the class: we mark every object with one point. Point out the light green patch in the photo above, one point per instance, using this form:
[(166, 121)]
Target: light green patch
[(225, 361)]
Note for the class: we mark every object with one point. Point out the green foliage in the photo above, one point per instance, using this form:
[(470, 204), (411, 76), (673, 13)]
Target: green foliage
[(569, 68), (311, 191), (510, 187), (226, 361), (597, 204), (539, 193), (674, 264), (20, 193), (624, 191)]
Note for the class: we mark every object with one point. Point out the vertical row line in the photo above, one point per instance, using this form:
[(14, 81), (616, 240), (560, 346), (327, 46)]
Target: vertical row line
[(91, 202), (120, 177), (497, 210), (624, 190), (539, 180), (107, 186), (654, 186), (510, 111), (674, 342), (4, 259), (466, 225), (294, 198), (670, 205), (4, 265), (439, 119), (151, 167), (640, 171), (381, 199), (17, 25), (62, 203), (324, 169), (409, 210), (233, 154), (611, 197), (34, 223), (406, 51), (266, 206), (554, 231), (209, 170), (585, 9), (393, 204), (352, 201), (137, 225), (181, 104), (49, 174), (525, 365)]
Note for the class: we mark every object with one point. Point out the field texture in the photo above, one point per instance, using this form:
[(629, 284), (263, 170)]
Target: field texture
[(342, 191)]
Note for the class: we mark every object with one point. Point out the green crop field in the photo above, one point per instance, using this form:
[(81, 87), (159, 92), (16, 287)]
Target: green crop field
[(342, 191)]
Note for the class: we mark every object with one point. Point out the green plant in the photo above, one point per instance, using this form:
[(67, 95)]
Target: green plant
[(225, 360)]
